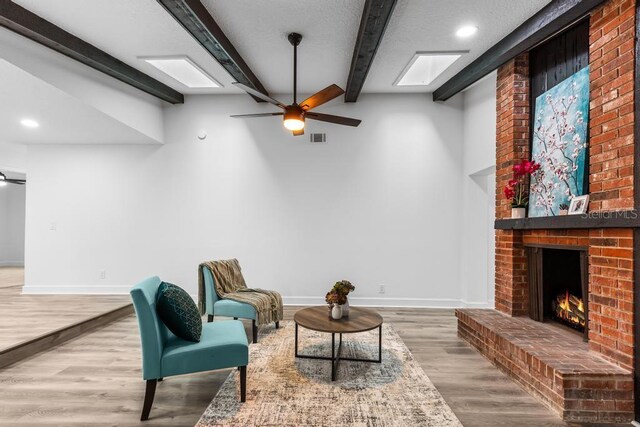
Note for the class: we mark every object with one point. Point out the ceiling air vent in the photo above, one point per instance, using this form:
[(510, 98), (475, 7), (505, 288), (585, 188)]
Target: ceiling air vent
[(318, 137)]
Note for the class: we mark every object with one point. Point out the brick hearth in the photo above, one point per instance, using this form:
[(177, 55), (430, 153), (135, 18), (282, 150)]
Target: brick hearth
[(553, 364), (584, 382)]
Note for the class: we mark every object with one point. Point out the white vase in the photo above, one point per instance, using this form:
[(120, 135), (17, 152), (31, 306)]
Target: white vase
[(345, 309), (336, 312), (517, 212)]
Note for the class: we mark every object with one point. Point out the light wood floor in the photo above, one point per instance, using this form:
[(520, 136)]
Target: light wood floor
[(95, 380), (25, 317), (11, 276)]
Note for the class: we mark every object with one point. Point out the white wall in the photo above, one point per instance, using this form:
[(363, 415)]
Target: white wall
[(12, 225), (478, 189), (376, 205), (13, 157), (122, 102)]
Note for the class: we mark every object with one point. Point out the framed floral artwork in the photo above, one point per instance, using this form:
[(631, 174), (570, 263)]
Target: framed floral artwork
[(559, 145)]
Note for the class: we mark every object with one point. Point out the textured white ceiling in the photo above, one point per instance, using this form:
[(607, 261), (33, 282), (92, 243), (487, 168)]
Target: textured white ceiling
[(63, 119), (259, 29), (129, 29), (430, 25)]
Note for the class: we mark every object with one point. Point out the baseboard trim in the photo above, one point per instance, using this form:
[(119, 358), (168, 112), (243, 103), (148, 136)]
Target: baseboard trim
[(287, 300), (77, 290), (12, 264), (390, 302)]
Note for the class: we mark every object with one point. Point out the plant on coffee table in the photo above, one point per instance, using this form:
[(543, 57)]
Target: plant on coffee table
[(335, 298)]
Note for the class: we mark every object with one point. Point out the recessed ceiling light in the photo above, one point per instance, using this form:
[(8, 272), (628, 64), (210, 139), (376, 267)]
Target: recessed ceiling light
[(183, 70), (467, 31), (425, 67), (29, 123)]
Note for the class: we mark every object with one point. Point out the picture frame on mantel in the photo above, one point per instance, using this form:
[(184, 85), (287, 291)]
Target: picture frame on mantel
[(579, 205)]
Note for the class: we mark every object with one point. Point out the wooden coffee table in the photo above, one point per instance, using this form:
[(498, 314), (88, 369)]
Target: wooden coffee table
[(359, 320)]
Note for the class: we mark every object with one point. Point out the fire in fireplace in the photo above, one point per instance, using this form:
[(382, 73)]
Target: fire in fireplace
[(569, 309)]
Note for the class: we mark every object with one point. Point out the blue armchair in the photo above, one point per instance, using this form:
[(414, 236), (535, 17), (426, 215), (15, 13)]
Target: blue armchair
[(222, 345), (228, 308)]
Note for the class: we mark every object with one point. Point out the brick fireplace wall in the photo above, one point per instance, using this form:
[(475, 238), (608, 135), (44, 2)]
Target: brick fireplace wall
[(611, 154)]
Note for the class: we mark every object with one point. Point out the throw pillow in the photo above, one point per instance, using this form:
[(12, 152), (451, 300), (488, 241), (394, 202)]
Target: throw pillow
[(178, 312)]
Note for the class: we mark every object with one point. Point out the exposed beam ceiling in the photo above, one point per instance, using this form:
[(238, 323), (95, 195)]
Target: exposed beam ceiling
[(375, 18), (195, 18), (551, 19), (28, 24)]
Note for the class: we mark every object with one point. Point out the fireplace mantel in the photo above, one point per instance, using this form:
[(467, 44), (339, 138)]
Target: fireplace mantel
[(617, 219)]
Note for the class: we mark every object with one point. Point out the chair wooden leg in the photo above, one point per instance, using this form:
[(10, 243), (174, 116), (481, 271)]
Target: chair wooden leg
[(243, 383), (210, 318), (277, 325), (254, 328), (148, 399)]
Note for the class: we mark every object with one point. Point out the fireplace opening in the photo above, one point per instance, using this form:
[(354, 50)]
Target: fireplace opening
[(558, 287), (562, 294)]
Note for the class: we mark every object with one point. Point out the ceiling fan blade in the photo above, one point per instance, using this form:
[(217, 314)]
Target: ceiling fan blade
[(298, 132), (244, 116), (257, 94), (16, 181), (325, 95), (347, 121)]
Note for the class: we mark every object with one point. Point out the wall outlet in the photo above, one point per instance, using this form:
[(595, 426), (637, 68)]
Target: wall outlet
[(381, 289), (103, 274)]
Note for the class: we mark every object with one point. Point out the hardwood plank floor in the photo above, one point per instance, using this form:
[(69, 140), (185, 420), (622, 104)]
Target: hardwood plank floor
[(26, 317), (95, 379), (11, 276)]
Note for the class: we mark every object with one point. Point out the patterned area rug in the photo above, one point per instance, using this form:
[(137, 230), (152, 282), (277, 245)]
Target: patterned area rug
[(282, 391)]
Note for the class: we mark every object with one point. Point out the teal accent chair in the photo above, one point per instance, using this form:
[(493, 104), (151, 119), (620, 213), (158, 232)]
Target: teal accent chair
[(222, 345), (224, 307)]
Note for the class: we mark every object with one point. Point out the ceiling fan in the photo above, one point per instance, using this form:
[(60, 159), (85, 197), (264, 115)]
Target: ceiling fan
[(295, 114), (4, 180)]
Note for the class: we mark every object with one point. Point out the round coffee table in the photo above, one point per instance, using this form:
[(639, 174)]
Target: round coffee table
[(359, 320)]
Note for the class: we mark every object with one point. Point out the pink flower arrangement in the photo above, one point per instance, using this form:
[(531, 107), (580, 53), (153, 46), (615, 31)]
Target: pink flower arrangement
[(516, 188)]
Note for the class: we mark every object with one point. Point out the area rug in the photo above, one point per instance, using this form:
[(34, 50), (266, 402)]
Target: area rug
[(283, 392)]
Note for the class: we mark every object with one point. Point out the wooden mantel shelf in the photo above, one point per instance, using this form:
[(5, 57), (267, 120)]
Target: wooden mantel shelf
[(618, 219)]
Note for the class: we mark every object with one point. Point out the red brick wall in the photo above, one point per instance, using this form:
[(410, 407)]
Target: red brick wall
[(512, 288), (611, 61), (512, 127), (611, 150), (512, 131)]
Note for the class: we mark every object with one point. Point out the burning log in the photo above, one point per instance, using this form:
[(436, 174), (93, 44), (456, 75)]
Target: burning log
[(570, 309)]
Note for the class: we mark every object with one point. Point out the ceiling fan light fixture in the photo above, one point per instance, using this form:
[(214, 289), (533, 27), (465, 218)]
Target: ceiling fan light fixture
[(294, 119)]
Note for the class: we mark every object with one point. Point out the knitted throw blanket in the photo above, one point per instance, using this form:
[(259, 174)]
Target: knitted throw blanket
[(229, 284)]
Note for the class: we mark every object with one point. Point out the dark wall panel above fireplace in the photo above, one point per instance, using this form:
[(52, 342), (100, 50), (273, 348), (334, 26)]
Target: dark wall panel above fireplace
[(558, 58)]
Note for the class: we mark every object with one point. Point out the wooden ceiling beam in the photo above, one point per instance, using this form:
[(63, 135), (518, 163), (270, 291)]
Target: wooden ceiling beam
[(26, 23), (196, 19), (550, 20), (375, 18)]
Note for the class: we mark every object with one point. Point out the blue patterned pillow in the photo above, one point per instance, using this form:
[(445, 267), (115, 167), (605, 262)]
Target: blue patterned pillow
[(178, 312)]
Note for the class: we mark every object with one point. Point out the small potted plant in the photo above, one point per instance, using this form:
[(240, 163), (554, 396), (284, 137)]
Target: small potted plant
[(564, 209), (516, 189), (344, 287), (335, 300)]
